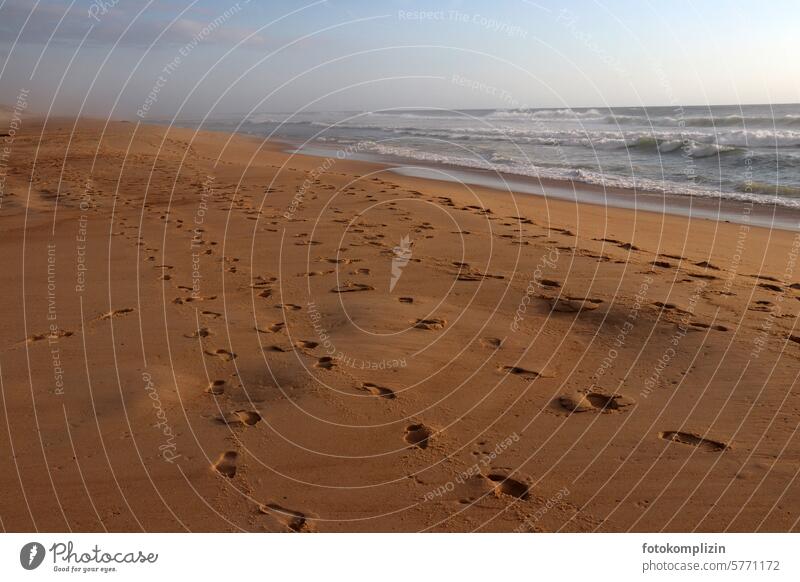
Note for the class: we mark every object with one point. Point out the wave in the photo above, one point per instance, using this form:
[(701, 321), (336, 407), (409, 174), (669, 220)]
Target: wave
[(554, 114), (725, 141), (660, 118), (609, 116), (781, 190), (569, 144), (744, 121), (666, 140), (606, 116), (268, 118), (506, 114), (769, 194), (496, 126), (695, 145)]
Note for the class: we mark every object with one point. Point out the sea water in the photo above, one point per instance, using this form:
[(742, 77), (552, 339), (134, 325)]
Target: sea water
[(747, 153)]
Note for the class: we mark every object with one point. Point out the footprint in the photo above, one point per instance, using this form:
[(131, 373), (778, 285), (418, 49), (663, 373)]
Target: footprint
[(708, 326), (262, 280), (418, 435), (406, 299), (307, 344), (595, 401), (295, 521), (326, 363), (248, 417), (762, 306), (223, 354), (469, 276), (277, 348), (213, 314), (606, 402), (216, 387), (771, 287), (506, 485), (59, 333), (202, 332), (703, 276), (525, 373), (226, 464), (341, 261), (491, 342), (693, 440), (116, 313), (669, 306), (477, 276), (376, 390), (575, 402), (349, 287), (773, 279), (243, 417), (433, 323), (193, 298), (574, 305), (549, 283), (707, 265), (274, 328)]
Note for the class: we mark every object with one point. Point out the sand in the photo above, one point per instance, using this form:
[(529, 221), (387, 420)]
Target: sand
[(202, 332)]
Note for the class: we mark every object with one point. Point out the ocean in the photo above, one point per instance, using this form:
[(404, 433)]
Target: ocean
[(746, 153)]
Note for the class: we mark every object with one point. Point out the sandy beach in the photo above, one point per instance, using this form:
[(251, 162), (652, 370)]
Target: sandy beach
[(202, 332)]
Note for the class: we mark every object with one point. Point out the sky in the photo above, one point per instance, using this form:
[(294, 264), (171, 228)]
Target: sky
[(191, 59)]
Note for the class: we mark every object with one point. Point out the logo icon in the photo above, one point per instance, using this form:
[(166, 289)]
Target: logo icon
[(402, 254), (31, 555)]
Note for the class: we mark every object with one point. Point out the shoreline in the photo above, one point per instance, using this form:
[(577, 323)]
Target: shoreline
[(725, 210), (762, 215)]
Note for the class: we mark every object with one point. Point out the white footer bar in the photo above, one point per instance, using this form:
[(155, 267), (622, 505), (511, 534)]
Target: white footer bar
[(400, 557)]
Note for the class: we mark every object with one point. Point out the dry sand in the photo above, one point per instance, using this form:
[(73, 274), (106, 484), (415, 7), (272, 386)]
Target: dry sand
[(203, 333)]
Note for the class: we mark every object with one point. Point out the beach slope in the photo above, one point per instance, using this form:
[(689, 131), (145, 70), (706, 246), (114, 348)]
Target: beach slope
[(204, 333)]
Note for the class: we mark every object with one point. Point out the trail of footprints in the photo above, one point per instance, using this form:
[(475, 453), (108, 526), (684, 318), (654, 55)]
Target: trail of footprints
[(418, 435), (603, 402)]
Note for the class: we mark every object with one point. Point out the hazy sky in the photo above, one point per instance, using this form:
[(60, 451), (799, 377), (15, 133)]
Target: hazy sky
[(228, 58)]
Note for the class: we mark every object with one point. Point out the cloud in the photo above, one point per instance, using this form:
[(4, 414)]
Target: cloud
[(49, 22)]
